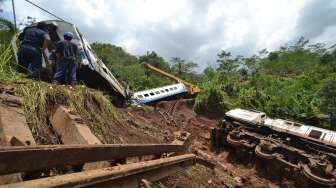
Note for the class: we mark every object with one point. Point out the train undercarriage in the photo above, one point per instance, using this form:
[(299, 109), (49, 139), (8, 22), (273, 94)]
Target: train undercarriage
[(278, 154)]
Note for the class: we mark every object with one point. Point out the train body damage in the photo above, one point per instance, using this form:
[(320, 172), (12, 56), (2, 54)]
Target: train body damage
[(284, 145), (160, 93), (91, 70)]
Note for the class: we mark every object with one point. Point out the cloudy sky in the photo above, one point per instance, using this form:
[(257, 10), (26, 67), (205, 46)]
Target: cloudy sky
[(192, 29)]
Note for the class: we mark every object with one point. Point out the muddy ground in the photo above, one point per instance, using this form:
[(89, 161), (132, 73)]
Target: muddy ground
[(163, 119), (155, 124)]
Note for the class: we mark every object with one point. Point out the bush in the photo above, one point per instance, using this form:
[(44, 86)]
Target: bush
[(212, 100)]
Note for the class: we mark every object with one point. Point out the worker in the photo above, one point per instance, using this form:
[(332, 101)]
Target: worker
[(34, 40), (67, 55)]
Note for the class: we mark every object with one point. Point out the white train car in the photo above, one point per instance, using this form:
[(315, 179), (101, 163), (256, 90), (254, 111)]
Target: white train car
[(248, 116), (324, 136), (156, 94), (305, 131)]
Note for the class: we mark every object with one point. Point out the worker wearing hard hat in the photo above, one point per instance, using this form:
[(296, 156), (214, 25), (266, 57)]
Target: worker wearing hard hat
[(33, 42), (67, 55)]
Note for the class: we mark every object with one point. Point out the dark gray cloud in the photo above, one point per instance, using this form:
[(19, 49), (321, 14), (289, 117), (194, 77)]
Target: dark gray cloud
[(315, 17)]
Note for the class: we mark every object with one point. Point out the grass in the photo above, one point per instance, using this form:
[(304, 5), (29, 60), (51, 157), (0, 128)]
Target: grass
[(41, 98), (196, 175)]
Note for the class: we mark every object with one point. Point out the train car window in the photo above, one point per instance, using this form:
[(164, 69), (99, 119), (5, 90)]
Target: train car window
[(157, 92), (315, 134), (146, 95), (297, 125), (151, 94), (324, 135), (175, 88), (162, 91), (167, 90), (105, 70), (263, 116), (170, 89), (288, 123), (140, 96)]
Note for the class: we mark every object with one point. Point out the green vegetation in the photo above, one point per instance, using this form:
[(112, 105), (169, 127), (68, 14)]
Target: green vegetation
[(295, 82), (40, 100), (129, 69), (197, 175)]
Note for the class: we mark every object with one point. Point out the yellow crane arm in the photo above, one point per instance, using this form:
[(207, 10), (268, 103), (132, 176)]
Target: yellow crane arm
[(191, 88)]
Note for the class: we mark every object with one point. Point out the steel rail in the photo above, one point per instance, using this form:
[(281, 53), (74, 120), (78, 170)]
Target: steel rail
[(28, 158), (129, 175)]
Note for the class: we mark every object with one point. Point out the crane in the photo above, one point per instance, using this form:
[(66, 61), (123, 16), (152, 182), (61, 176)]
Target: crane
[(192, 89)]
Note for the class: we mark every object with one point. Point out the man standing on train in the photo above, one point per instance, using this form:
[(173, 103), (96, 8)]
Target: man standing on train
[(67, 55), (34, 40)]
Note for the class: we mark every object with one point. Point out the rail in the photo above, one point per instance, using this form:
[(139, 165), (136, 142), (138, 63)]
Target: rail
[(23, 158), (129, 175)]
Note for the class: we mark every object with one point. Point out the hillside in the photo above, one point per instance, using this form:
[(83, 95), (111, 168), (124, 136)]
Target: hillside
[(296, 82)]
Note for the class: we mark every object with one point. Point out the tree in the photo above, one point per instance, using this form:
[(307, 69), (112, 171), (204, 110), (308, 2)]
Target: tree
[(181, 68), (226, 63), (154, 59), (209, 73)]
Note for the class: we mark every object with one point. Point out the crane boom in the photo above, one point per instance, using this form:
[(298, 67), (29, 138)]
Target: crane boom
[(191, 87)]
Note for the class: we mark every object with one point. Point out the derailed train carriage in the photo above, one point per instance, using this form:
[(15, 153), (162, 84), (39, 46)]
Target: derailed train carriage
[(91, 70), (282, 144)]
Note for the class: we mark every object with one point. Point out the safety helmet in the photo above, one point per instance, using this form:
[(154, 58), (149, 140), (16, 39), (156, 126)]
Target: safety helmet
[(68, 35)]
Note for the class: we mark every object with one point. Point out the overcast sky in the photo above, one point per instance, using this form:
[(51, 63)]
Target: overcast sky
[(195, 30)]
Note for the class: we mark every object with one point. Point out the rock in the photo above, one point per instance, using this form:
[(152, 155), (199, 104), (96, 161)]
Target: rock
[(238, 181)]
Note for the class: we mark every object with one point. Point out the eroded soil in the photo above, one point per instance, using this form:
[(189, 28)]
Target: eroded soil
[(165, 118)]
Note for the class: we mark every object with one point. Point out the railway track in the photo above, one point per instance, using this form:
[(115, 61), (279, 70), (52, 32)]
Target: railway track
[(33, 158)]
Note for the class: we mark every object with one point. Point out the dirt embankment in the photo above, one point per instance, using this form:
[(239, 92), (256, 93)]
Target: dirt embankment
[(155, 124), (164, 118)]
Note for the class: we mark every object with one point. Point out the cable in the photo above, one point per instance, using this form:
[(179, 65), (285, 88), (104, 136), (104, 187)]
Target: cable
[(14, 15), (45, 10)]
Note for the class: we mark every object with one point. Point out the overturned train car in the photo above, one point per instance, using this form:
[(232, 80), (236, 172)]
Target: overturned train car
[(91, 70), (282, 146)]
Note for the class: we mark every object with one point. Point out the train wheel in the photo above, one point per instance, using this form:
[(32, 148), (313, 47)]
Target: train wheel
[(330, 181), (262, 153), (233, 140), (287, 163)]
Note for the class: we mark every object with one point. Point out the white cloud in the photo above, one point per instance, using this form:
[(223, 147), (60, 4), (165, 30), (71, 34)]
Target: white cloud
[(193, 29)]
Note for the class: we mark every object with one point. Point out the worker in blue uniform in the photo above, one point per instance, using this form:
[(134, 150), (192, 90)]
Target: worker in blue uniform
[(34, 40), (67, 55)]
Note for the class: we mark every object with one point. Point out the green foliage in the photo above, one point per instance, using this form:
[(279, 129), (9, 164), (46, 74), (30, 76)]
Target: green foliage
[(40, 99), (296, 82), (213, 100), (113, 56), (7, 32), (7, 65), (130, 71), (154, 59)]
